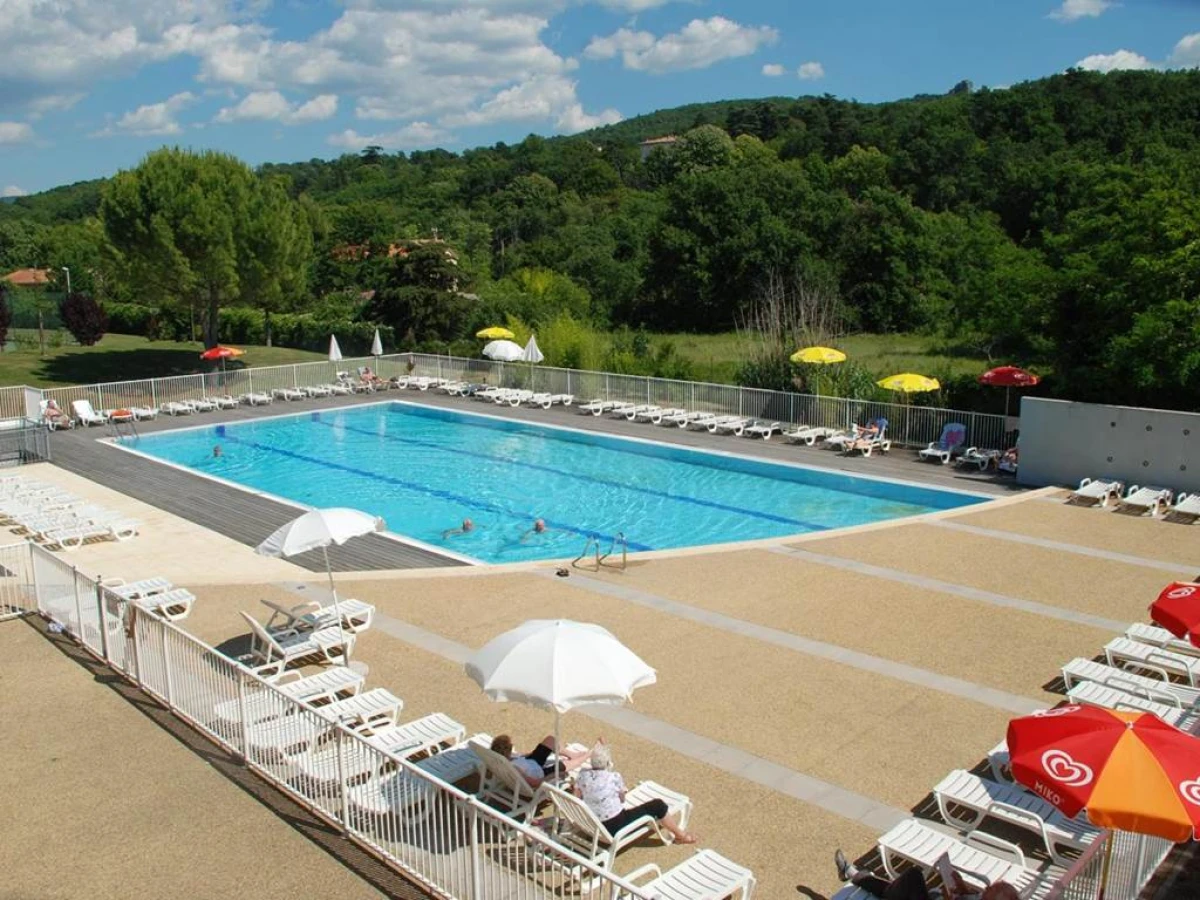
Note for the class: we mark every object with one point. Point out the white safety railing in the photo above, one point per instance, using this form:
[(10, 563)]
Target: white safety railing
[(441, 837), (16, 581), (1130, 865), (907, 424)]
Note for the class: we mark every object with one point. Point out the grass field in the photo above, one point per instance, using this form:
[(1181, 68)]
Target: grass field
[(120, 357), (715, 357)]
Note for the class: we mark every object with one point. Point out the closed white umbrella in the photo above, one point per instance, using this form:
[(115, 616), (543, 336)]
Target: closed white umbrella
[(558, 664), (532, 353), (320, 528), (376, 345), (335, 352), (503, 351)]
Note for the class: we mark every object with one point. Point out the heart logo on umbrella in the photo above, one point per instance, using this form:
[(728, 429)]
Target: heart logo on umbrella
[(1190, 791), (1065, 769), (1051, 713)]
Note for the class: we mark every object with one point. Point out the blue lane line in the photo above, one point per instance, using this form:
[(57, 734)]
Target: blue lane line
[(536, 467), (423, 489)]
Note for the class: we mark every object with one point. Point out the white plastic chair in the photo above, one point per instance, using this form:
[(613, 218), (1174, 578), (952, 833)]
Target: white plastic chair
[(707, 875), (1095, 492)]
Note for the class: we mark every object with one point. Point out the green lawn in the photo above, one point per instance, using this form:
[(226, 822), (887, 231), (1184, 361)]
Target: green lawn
[(715, 357), (121, 357)]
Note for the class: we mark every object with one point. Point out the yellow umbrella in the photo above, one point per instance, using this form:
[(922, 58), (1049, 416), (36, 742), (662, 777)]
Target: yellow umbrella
[(495, 333), (908, 383), (819, 356)]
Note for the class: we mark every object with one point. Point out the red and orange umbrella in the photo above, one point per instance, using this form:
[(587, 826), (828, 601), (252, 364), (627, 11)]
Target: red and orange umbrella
[(1177, 609), (221, 352), (1008, 377), (1130, 771)]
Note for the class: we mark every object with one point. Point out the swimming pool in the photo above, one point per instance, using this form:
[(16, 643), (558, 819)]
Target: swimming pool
[(424, 470)]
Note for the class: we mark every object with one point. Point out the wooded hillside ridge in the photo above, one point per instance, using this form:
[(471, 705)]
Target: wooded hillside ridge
[(1054, 224)]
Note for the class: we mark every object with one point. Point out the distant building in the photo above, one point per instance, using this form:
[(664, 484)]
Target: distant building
[(658, 143), (29, 278), (400, 248)]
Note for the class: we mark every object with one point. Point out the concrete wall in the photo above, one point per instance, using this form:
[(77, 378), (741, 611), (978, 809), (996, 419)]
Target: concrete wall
[(1062, 442)]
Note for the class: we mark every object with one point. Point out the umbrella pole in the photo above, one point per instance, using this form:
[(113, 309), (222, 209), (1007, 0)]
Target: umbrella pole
[(1007, 391), (557, 746), (1112, 836), (337, 609)]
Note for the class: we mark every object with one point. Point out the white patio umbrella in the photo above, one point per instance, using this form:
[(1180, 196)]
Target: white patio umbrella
[(335, 352), (504, 351), (558, 664), (376, 345), (532, 353), (320, 528)]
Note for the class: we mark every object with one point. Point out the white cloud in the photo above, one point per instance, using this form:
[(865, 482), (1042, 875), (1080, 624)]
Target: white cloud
[(152, 119), (698, 45), (39, 106), (773, 70), (12, 191), (15, 132), (811, 71), (1111, 62), (1186, 54), (272, 106), (415, 136), (1073, 10)]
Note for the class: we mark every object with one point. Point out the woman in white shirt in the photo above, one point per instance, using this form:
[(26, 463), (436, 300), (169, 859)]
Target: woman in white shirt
[(603, 790)]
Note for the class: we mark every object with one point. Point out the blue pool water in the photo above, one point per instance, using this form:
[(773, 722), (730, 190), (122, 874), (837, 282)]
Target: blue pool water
[(424, 470)]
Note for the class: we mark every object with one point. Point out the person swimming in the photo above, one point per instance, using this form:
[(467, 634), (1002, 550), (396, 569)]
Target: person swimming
[(539, 527), (467, 526), (217, 451)]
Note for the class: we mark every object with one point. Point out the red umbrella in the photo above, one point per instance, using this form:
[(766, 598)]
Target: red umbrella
[(1008, 377), (221, 352), (1177, 609)]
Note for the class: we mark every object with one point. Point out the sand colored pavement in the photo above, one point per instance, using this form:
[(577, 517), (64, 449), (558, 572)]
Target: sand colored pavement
[(1102, 529), (1103, 587), (165, 545), (997, 647), (99, 802)]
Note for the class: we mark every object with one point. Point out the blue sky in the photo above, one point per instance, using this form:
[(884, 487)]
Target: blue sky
[(90, 86)]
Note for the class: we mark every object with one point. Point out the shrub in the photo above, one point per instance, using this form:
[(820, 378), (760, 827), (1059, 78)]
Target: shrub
[(129, 318), (84, 318)]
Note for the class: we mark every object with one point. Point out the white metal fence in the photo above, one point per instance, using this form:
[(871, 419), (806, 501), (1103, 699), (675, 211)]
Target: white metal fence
[(443, 838), (907, 424), (1131, 865)]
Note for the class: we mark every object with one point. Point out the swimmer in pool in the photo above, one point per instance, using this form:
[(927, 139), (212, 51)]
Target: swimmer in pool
[(539, 527), (467, 526), (217, 451)]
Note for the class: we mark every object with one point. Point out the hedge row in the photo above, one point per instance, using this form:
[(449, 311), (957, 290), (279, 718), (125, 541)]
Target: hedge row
[(241, 325)]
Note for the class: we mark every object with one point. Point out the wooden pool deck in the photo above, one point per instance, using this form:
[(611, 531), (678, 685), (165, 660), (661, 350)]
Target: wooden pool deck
[(248, 517)]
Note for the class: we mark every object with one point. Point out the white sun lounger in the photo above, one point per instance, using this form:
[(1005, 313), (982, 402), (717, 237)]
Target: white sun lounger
[(1092, 492), (400, 791), (515, 398), (584, 833), (727, 425), (374, 709), (144, 413), (1132, 654), (339, 389), (1160, 637), (966, 800), (653, 414), (760, 428), (1187, 506), (1144, 500), (316, 390), (1089, 693), (702, 421), (356, 759), (256, 398), (286, 393), (681, 419), (706, 875), (143, 587), (175, 408), (202, 404), (261, 703), (916, 842), (73, 537), (629, 411), (501, 783), (1160, 689), (85, 414), (809, 435), (980, 458), (545, 400), (274, 651), (313, 616), (225, 401), (173, 605)]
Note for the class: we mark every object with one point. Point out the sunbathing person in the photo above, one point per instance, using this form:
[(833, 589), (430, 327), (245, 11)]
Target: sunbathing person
[(54, 415), (535, 765), (864, 437), (910, 885), (603, 790), (369, 377), (1010, 460)]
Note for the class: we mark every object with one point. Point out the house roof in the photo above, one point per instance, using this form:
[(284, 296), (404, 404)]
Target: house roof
[(28, 277)]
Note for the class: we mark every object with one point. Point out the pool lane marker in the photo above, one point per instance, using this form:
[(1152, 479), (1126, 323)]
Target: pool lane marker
[(593, 479), (737, 762), (946, 684), (421, 489)]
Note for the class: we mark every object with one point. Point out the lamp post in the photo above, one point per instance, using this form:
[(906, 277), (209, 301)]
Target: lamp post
[(68, 271)]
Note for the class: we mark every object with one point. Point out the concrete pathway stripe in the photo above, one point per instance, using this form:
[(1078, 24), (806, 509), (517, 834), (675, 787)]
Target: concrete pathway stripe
[(1078, 549), (827, 796), (820, 649), (946, 587)]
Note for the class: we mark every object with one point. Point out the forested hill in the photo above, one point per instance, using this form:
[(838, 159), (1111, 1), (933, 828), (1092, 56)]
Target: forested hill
[(1055, 223)]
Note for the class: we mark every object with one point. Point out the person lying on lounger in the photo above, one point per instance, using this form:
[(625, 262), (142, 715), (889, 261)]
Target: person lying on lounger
[(603, 790), (54, 415), (910, 885), (370, 377), (535, 765), (864, 437)]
